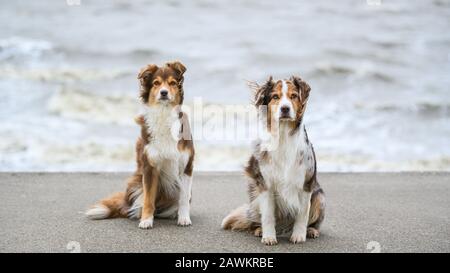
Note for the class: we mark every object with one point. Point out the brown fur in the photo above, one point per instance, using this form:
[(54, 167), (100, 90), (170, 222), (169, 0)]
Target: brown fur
[(303, 89), (150, 188), (185, 143), (134, 184), (146, 177), (154, 78), (158, 200), (268, 95), (262, 98), (256, 183), (276, 93), (317, 210), (117, 205), (237, 219), (298, 92)]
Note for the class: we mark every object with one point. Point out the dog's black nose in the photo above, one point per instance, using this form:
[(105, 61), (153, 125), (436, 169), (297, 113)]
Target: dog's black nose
[(164, 93), (285, 109)]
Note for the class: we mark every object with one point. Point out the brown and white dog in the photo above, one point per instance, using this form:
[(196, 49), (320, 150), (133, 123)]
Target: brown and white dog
[(283, 189), (161, 184)]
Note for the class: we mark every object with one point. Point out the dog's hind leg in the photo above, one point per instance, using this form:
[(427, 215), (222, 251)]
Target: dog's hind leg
[(258, 232), (316, 214)]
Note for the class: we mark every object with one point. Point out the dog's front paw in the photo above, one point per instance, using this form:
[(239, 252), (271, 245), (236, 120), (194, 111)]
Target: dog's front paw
[(270, 241), (184, 221), (297, 238), (146, 223)]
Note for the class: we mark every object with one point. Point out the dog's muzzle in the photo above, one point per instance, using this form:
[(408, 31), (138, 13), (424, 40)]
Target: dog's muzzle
[(163, 94), (285, 112)]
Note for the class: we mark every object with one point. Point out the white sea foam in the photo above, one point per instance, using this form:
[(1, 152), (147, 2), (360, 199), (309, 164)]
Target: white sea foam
[(20, 47)]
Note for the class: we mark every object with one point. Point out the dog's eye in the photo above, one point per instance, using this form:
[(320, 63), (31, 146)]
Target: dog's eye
[(294, 96), (276, 97), (172, 83), (156, 83)]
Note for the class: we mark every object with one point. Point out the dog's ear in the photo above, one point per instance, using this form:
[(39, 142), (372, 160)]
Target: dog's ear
[(262, 93), (254, 86), (146, 72), (178, 67), (145, 76), (303, 88)]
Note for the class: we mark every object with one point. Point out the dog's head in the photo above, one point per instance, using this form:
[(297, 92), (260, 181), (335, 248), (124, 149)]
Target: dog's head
[(162, 85), (285, 100)]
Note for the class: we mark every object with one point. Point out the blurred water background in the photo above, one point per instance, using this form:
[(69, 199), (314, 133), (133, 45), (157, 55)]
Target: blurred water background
[(379, 72)]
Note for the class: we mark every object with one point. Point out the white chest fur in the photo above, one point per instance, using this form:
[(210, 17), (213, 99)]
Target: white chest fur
[(284, 172), (163, 127)]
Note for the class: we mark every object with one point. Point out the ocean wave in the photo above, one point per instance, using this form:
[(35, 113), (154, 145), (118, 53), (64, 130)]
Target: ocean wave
[(90, 152), (379, 57), (441, 3), (221, 158), (143, 52), (86, 106), (209, 121), (98, 156), (19, 47), (362, 71), (60, 75), (357, 163), (421, 108), (332, 69), (107, 54)]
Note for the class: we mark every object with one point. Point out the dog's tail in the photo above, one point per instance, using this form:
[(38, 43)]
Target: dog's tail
[(112, 207), (118, 204), (238, 219)]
